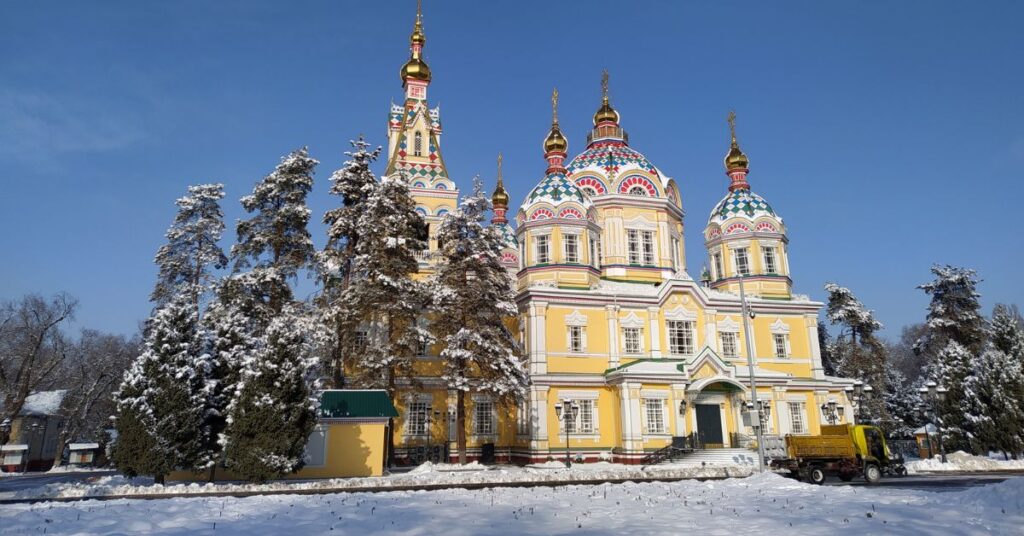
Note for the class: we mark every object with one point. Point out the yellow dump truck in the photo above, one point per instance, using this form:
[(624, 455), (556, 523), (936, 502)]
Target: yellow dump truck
[(843, 450)]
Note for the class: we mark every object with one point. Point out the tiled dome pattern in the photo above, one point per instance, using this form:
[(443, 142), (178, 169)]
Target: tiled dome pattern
[(741, 203)]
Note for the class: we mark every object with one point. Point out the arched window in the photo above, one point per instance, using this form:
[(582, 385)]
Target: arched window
[(417, 147), (591, 192), (638, 190)]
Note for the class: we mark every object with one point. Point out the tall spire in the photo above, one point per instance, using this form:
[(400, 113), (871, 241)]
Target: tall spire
[(605, 113), (499, 198), (416, 70), (555, 144), (736, 163), (606, 119)]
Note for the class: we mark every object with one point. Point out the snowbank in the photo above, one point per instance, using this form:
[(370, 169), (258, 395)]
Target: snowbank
[(424, 475), (762, 504), (961, 461)]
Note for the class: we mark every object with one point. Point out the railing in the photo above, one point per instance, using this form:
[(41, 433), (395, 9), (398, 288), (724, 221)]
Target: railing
[(680, 445)]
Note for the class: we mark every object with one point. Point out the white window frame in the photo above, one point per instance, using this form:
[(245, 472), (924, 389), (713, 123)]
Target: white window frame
[(734, 339), (681, 337), (484, 421), (417, 415), (542, 245), (600, 253), (417, 144), (797, 417), (633, 247), (576, 339), (523, 417), (742, 268), (581, 424), (780, 341), (627, 347), (571, 248), (648, 247), (593, 252), (675, 254), (717, 264), (654, 413), (771, 261)]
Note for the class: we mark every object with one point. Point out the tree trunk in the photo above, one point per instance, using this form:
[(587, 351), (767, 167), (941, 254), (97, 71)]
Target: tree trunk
[(460, 425), (213, 473), (62, 438)]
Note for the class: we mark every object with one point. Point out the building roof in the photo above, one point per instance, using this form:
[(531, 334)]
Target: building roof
[(352, 403), (83, 446), (43, 403), (612, 159), (741, 203), (555, 188)]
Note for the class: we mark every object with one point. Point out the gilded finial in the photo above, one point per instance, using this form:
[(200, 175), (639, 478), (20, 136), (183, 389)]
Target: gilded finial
[(499, 170), (554, 106), (416, 68), (605, 112), (735, 159), (500, 196)]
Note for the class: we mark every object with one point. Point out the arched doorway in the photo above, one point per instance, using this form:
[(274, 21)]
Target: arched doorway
[(712, 403)]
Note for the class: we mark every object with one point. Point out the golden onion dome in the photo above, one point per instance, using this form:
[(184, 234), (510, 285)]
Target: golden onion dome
[(500, 196), (555, 142), (735, 159), (606, 113), (416, 69)]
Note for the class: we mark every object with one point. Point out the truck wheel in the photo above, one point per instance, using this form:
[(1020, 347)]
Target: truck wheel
[(816, 475), (872, 474)]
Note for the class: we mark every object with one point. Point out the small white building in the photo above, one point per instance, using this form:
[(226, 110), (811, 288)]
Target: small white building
[(82, 454)]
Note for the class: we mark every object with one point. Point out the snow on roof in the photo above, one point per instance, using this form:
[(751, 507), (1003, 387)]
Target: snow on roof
[(83, 446), (13, 448), (43, 402), (931, 429)]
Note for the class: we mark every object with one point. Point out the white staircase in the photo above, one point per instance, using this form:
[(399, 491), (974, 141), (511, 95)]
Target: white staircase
[(718, 457)]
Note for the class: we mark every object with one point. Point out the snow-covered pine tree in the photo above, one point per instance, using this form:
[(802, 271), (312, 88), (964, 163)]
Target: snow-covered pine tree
[(474, 301), (273, 410), (951, 369), (381, 296), (271, 379), (954, 312), (857, 352), (825, 343), (192, 246), (993, 403), (162, 400), (901, 402), (1008, 330)]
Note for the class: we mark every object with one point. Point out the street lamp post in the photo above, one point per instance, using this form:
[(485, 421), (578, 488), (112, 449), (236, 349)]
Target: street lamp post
[(830, 410), (566, 412), (859, 394), (936, 394), (746, 314)]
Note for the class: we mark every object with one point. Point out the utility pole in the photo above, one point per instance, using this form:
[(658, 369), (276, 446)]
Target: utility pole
[(750, 365)]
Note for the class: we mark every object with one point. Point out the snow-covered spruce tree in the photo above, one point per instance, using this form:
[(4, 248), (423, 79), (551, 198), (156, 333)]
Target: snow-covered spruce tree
[(825, 343), (955, 334), (381, 296), (473, 301), (354, 183), (271, 379), (901, 402), (1007, 330), (273, 410), (192, 246), (162, 399), (994, 407), (857, 353), (954, 312)]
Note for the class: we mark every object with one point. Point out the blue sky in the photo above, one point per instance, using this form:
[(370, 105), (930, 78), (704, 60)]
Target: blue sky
[(889, 135)]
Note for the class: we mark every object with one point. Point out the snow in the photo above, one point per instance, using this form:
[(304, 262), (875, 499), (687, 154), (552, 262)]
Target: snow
[(961, 461), (13, 448), (767, 504), (83, 446), (43, 402)]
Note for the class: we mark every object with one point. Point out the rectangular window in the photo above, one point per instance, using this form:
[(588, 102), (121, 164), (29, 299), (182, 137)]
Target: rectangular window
[(416, 418), (633, 243), (523, 418), (631, 340), (780, 345), (576, 339), (543, 249), (424, 348), (483, 417), (600, 254), (770, 265), (655, 409), (675, 254), (648, 237), (680, 337), (572, 248), (796, 418), (362, 337), (718, 266), (586, 425), (730, 348), (593, 253), (742, 261)]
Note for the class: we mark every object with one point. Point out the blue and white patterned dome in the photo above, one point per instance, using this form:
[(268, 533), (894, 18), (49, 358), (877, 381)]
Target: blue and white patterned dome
[(555, 189), (508, 235), (742, 203)]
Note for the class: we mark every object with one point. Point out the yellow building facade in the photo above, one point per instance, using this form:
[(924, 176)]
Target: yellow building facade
[(611, 323)]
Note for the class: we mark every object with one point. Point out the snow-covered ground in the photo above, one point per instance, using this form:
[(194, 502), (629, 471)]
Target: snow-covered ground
[(768, 504), (961, 461), (426, 474)]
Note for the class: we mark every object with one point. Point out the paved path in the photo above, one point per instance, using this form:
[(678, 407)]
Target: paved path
[(935, 481), (31, 480)]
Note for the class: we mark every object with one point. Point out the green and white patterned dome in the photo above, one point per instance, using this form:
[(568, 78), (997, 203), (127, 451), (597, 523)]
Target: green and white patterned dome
[(555, 196), (742, 203)]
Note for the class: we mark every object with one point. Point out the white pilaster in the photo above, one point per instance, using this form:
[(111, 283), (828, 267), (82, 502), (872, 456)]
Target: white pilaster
[(538, 414), (817, 369), (538, 338), (652, 313), (612, 312)]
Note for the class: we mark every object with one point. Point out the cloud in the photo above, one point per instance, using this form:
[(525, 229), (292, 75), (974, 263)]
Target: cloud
[(37, 126)]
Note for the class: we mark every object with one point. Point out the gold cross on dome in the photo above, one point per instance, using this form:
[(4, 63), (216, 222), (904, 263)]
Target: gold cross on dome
[(604, 84), (499, 168), (554, 105), (732, 124)]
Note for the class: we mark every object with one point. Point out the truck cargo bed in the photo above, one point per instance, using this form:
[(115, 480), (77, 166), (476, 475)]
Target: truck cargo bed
[(827, 446)]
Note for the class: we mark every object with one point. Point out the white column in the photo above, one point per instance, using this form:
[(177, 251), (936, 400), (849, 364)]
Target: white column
[(711, 331), (817, 369), (632, 436), (538, 414), (612, 312), (538, 338), (678, 395), (655, 332)]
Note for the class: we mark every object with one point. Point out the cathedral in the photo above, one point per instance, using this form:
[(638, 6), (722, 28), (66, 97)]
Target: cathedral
[(627, 353)]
